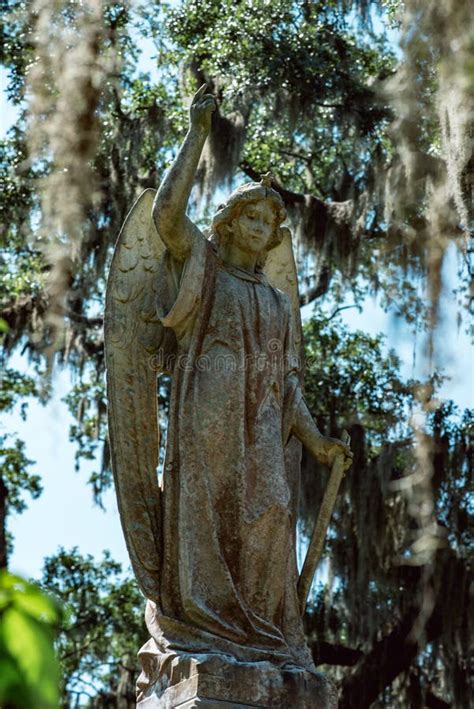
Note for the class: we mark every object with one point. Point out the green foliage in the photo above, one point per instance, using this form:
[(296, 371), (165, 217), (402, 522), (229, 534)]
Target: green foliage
[(371, 577), (302, 90), (103, 626), (15, 476), (14, 470), (352, 383), (289, 120), (19, 198), (29, 619), (248, 50), (392, 8), (350, 380), (87, 403), (16, 385), (453, 463)]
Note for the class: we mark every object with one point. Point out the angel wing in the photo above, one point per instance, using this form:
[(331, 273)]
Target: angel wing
[(280, 269), (134, 337)]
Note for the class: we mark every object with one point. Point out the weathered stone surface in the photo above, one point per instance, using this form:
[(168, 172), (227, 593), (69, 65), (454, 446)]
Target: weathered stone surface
[(215, 683), (214, 546)]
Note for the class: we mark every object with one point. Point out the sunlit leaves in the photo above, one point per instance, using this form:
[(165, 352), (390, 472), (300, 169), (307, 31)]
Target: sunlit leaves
[(103, 627), (14, 463), (87, 403), (29, 673), (298, 69), (349, 378), (15, 474), (15, 385)]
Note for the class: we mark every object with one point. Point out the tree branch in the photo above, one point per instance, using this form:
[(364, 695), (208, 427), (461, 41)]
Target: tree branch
[(319, 289), (342, 307), (388, 658), (434, 702), (307, 158), (86, 321), (287, 196), (19, 312), (393, 654), (330, 654), (3, 527)]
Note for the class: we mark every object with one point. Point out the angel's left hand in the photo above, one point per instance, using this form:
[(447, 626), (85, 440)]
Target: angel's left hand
[(332, 447)]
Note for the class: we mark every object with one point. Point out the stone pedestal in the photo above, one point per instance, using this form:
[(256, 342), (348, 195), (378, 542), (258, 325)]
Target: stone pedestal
[(214, 683)]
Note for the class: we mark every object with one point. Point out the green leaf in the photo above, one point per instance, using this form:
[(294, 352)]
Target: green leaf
[(9, 675), (5, 599), (30, 646), (10, 681), (12, 583), (29, 598), (38, 605)]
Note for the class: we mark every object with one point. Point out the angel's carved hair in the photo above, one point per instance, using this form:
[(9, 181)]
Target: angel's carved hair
[(249, 193)]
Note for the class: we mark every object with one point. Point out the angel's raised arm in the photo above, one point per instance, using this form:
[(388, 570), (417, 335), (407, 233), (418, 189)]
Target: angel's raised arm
[(169, 209)]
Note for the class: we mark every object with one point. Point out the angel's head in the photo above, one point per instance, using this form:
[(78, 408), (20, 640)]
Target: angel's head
[(251, 218)]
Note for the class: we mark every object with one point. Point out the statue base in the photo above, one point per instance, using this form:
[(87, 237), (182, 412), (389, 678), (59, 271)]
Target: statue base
[(213, 682)]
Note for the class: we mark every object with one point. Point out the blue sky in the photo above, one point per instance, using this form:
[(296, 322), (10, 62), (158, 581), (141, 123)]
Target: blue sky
[(65, 515)]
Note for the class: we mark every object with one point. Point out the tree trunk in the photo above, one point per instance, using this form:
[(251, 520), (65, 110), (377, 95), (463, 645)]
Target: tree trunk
[(3, 525)]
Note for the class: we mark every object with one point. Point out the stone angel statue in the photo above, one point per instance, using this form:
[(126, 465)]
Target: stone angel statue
[(213, 544)]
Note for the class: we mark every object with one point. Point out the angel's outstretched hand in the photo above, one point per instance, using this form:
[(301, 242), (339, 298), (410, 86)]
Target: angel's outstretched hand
[(333, 447), (202, 107)]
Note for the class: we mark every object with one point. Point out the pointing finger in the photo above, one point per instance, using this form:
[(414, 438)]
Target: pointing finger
[(200, 92)]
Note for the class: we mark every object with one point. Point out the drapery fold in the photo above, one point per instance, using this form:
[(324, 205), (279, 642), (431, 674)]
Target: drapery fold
[(228, 573)]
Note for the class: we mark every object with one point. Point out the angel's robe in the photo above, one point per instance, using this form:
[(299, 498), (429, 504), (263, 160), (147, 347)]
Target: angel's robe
[(231, 473)]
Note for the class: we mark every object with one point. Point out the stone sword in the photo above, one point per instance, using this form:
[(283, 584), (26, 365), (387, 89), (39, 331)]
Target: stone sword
[(316, 544)]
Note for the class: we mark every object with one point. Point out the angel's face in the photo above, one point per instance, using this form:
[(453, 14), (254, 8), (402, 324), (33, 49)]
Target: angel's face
[(253, 229)]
